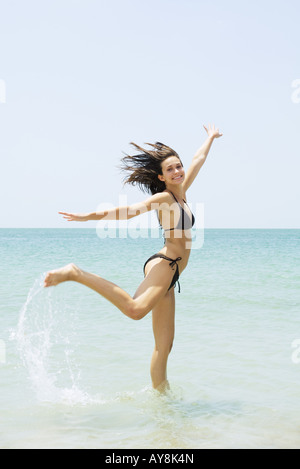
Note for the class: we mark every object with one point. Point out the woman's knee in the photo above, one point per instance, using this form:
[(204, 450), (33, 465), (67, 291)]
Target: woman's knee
[(136, 311), (170, 346), (164, 348)]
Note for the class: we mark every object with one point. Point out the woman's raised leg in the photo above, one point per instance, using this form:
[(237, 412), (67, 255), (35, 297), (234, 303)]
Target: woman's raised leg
[(163, 319), (151, 290)]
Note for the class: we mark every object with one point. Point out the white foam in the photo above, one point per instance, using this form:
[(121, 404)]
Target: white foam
[(45, 348)]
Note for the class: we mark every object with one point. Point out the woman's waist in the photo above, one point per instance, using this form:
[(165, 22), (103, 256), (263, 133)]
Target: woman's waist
[(178, 235), (174, 251), (181, 244)]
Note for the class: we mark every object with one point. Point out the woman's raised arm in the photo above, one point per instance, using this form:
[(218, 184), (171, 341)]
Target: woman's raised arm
[(201, 155), (121, 213)]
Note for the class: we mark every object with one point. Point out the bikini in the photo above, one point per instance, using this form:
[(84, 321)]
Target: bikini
[(184, 223)]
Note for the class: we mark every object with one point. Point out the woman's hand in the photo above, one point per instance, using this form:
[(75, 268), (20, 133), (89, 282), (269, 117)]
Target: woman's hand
[(74, 216), (212, 132)]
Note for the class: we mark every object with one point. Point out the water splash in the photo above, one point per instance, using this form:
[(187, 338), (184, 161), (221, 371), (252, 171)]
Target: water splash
[(47, 342), (44, 340)]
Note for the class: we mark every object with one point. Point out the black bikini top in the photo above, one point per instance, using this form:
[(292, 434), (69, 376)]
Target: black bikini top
[(185, 222)]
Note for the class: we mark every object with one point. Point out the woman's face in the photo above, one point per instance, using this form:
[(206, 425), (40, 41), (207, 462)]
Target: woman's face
[(172, 171)]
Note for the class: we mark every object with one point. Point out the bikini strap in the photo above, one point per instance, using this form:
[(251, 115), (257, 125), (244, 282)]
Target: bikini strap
[(172, 265), (174, 197), (177, 200), (173, 261)]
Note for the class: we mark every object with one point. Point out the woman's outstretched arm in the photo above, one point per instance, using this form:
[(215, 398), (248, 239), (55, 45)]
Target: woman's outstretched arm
[(121, 213), (201, 155)]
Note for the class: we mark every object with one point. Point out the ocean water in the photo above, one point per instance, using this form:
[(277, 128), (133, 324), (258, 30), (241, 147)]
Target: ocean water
[(74, 371)]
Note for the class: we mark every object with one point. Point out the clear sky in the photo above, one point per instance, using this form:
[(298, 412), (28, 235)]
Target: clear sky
[(80, 79)]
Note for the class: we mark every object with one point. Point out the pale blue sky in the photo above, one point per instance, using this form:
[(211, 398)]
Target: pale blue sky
[(83, 78)]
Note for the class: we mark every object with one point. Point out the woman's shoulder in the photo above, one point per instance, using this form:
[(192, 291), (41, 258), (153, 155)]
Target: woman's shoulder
[(161, 197)]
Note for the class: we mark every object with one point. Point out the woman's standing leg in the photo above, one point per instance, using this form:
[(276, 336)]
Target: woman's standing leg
[(163, 319)]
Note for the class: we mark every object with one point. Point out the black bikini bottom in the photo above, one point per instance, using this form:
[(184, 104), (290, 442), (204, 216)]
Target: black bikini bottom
[(172, 263)]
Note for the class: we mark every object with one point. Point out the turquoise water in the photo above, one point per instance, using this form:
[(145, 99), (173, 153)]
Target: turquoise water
[(75, 372)]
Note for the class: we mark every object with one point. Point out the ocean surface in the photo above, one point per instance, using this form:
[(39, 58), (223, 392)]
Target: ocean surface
[(74, 371)]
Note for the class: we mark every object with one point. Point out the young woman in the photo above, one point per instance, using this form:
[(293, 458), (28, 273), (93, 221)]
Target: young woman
[(160, 172)]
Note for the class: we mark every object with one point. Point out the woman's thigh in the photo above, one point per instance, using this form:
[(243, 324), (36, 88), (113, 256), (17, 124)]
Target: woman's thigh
[(155, 285)]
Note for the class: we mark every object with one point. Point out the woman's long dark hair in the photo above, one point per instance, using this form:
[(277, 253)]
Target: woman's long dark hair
[(143, 169)]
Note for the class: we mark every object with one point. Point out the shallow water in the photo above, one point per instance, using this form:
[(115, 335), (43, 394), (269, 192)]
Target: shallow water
[(75, 372)]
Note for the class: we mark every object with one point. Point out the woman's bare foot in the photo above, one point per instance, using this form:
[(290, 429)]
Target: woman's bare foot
[(54, 277)]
